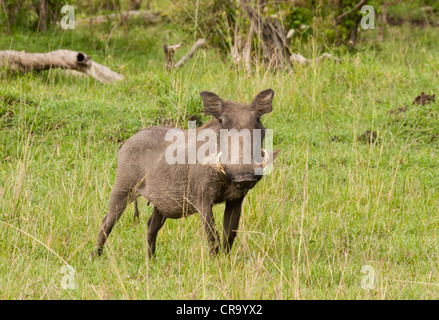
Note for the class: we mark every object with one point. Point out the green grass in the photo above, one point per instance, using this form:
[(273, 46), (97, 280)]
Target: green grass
[(332, 205)]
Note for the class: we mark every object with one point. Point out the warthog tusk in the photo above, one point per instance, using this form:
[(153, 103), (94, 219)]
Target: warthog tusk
[(266, 158), (219, 166)]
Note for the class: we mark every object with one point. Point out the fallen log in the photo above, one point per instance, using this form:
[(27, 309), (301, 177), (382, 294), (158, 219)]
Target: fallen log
[(21, 61)]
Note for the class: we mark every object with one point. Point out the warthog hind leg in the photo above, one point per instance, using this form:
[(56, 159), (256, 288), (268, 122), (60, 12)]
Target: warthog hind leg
[(118, 202)]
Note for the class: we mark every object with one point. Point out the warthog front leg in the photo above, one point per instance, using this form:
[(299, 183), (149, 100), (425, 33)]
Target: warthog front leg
[(210, 229), (232, 214), (155, 223)]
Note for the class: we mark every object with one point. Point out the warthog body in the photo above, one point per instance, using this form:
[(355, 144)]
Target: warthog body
[(177, 190)]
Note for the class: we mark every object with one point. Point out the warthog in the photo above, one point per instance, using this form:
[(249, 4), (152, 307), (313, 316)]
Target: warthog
[(183, 188)]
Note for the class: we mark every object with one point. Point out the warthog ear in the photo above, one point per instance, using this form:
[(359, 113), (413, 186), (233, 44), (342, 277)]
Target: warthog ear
[(263, 101), (212, 103)]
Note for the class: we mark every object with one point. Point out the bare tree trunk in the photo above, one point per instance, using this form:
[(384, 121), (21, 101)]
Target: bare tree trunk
[(352, 13), (54, 11), (11, 11), (21, 61), (274, 44), (8, 24), (247, 50), (135, 4), (43, 10), (112, 5), (383, 21), (353, 34)]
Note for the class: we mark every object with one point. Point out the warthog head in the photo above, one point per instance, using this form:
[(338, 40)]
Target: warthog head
[(240, 158)]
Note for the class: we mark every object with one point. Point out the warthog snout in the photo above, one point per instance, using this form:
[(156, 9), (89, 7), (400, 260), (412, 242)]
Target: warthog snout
[(243, 176), (245, 181)]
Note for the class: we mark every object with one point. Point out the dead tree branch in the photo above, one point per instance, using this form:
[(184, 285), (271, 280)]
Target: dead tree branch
[(357, 6), (169, 54), (301, 60), (21, 61), (195, 47)]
